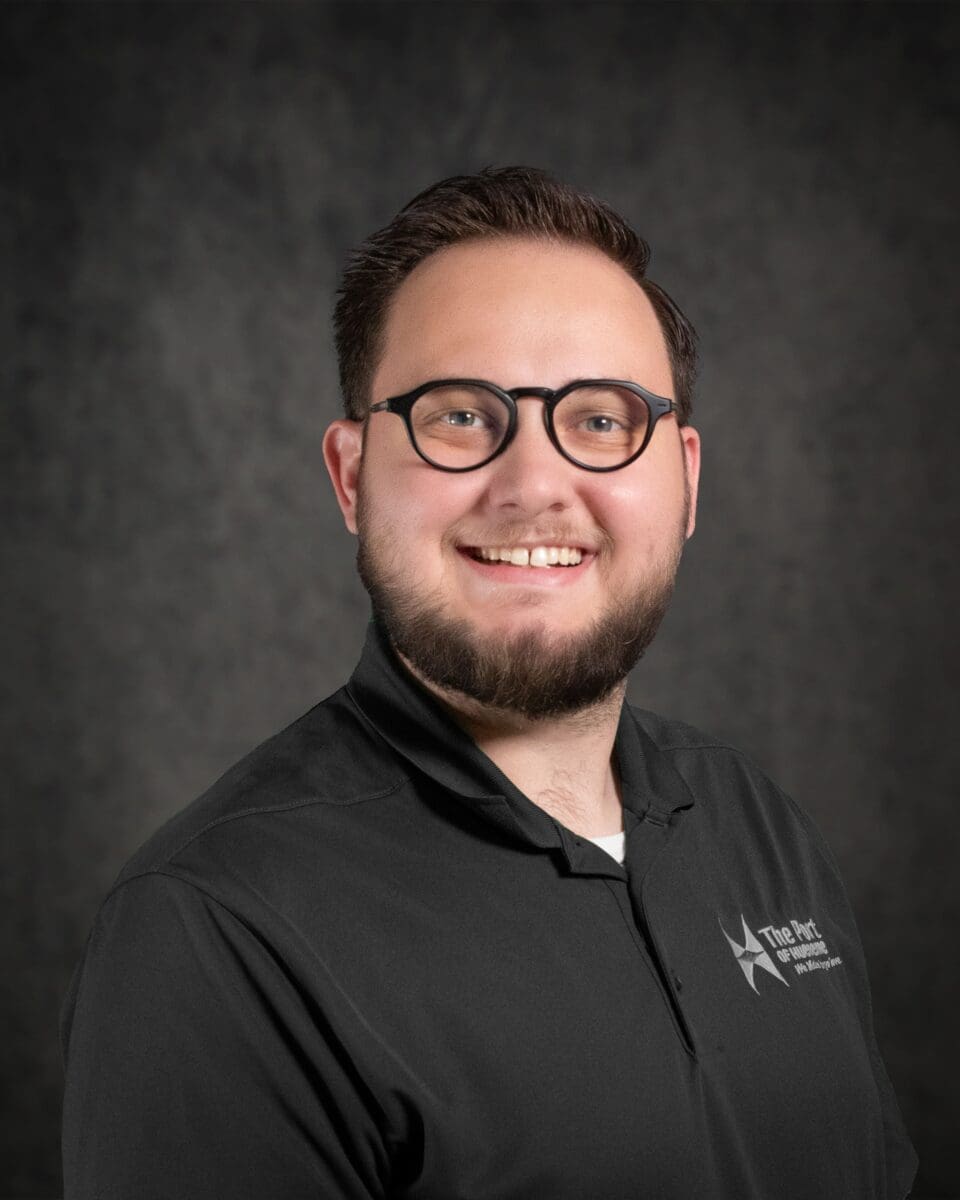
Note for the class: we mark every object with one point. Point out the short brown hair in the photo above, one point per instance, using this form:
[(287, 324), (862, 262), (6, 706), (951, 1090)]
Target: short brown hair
[(496, 202)]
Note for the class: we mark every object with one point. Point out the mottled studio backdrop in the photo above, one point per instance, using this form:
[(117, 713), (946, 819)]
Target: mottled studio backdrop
[(180, 184)]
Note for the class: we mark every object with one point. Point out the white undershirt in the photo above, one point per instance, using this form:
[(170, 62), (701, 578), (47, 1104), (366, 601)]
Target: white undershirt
[(613, 843)]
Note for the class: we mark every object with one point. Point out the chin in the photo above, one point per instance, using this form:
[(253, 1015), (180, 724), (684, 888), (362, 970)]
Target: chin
[(518, 615)]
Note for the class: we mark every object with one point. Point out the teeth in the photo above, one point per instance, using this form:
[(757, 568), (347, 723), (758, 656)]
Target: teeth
[(539, 556)]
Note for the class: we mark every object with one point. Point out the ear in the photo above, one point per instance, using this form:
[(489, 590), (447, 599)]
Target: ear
[(342, 452), (690, 445)]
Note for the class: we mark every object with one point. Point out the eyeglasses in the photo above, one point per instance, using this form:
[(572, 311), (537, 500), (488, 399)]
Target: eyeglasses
[(462, 424)]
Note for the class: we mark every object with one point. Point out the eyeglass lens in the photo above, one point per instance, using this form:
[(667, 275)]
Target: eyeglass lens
[(463, 425)]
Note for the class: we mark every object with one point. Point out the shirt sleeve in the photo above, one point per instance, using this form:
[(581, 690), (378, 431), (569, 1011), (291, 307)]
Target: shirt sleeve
[(196, 1067), (900, 1158)]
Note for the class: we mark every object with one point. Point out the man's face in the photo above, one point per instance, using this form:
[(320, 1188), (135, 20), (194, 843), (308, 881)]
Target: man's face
[(534, 639)]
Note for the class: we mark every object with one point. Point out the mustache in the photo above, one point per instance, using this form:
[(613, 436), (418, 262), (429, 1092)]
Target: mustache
[(515, 535)]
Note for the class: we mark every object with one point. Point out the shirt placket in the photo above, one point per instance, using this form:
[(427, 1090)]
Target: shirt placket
[(647, 838)]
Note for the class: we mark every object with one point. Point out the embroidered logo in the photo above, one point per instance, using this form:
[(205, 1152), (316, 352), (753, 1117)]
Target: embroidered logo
[(798, 944), (752, 955)]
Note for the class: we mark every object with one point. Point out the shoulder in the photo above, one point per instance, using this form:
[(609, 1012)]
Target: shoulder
[(690, 748), (694, 752), (729, 788), (304, 779)]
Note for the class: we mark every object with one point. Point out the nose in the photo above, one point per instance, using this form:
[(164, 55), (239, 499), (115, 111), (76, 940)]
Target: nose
[(530, 476)]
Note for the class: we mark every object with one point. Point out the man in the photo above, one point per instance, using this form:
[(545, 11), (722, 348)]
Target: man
[(473, 928)]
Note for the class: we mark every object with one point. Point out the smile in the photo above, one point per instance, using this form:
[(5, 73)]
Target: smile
[(523, 556)]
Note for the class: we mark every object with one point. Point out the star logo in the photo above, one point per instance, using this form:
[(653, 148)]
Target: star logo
[(751, 955)]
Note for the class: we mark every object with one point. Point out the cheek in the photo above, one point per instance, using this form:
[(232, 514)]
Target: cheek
[(437, 500), (643, 509), (622, 508), (411, 500)]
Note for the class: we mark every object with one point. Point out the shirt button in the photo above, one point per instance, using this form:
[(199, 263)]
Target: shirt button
[(678, 983)]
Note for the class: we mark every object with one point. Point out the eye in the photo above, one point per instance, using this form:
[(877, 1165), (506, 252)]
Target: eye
[(463, 418), (601, 423)]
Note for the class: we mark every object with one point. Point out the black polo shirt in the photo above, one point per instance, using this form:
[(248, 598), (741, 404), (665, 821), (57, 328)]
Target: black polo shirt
[(365, 965)]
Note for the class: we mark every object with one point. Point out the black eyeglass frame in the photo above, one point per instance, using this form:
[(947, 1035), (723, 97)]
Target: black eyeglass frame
[(657, 407)]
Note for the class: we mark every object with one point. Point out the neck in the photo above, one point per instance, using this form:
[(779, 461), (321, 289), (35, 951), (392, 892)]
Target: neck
[(564, 763)]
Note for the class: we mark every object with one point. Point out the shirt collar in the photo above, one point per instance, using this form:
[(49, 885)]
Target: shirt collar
[(414, 724)]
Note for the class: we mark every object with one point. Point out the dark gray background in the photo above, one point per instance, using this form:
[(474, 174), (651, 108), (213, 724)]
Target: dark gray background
[(180, 185)]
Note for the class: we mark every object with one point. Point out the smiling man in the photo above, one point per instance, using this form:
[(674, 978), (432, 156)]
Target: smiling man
[(473, 928)]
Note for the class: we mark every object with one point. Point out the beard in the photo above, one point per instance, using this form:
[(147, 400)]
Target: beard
[(533, 673)]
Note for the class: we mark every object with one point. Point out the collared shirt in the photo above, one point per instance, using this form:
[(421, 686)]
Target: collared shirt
[(365, 965)]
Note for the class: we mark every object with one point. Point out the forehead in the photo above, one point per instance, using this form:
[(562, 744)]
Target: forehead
[(520, 311)]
